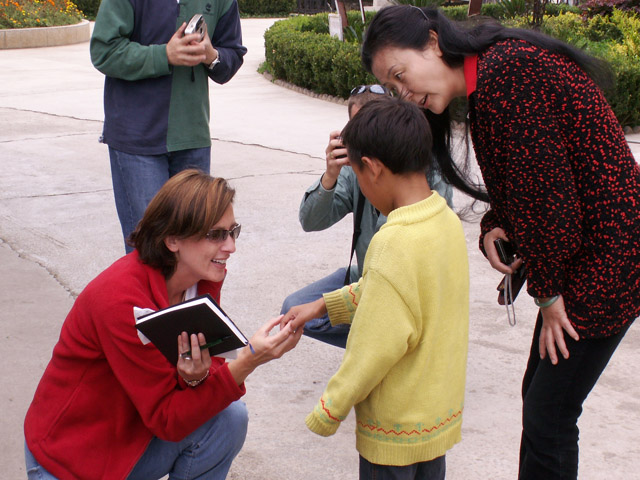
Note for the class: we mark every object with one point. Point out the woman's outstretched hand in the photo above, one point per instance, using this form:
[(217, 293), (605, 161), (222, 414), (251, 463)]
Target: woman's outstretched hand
[(298, 315), (263, 347), (554, 323)]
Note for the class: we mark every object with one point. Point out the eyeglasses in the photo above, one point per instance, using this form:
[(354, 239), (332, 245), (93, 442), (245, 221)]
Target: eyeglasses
[(220, 234), (377, 89)]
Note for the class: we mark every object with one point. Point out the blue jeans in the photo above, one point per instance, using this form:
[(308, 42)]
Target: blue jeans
[(205, 454), (320, 328), (431, 470), (552, 402), (137, 178)]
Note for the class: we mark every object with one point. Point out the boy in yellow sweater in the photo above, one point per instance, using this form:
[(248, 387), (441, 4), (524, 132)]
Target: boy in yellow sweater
[(405, 360)]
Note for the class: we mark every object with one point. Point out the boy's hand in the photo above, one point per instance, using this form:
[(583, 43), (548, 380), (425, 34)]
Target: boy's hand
[(336, 159), (297, 316)]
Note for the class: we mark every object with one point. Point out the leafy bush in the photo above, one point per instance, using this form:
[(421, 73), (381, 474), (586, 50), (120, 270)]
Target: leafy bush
[(615, 38), (555, 9), (419, 3), (37, 13), (301, 51), (497, 10), (593, 8), (89, 8), (460, 12), (262, 8), (513, 8)]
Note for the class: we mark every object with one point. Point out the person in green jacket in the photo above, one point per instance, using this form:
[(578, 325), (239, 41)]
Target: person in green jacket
[(156, 91)]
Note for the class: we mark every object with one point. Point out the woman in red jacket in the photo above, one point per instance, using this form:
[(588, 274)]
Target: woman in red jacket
[(562, 185), (109, 406)]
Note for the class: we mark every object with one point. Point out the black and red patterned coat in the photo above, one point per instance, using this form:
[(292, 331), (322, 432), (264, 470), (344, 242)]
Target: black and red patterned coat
[(561, 179)]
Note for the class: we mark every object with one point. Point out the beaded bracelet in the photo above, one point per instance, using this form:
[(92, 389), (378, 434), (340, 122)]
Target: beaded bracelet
[(195, 383), (550, 301)]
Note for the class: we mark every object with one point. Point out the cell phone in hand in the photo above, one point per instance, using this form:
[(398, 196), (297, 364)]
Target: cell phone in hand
[(517, 281), (507, 254), (506, 251), (196, 25)]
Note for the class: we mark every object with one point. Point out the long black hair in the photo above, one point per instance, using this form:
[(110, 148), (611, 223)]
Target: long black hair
[(406, 26)]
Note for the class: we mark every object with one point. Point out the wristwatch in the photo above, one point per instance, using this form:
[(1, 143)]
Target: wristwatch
[(214, 63)]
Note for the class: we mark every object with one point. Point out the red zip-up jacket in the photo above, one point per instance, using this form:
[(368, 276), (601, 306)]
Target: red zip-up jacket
[(105, 395)]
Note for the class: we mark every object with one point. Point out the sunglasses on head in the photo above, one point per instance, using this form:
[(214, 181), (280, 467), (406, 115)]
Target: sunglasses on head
[(220, 234), (377, 89)]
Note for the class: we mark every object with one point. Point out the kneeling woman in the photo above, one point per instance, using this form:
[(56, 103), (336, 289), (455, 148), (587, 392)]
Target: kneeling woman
[(109, 406)]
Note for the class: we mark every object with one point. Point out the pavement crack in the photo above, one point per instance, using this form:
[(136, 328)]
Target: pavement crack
[(65, 135), (273, 149), (64, 194), (20, 254), (55, 115), (300, 172)]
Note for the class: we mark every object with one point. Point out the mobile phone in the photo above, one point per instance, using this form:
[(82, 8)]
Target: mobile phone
[(517, 281), (341, 146), (506, 251), (196, 25)]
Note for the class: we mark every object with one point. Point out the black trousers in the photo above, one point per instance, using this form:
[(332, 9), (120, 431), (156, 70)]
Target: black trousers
[(552, 402), (430, 470)]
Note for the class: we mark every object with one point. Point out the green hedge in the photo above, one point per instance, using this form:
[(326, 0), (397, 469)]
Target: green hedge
[(300, 50), (266, 8), (615, 38), (89, 8)]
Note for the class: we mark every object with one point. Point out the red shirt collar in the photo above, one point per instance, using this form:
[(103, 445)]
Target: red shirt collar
[(471, 73)]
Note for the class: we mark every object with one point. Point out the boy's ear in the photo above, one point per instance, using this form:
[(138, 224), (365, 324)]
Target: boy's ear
[(374, 165)]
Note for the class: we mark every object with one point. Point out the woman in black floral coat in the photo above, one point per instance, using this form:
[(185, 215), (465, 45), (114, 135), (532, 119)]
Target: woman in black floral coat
[(562, 185)]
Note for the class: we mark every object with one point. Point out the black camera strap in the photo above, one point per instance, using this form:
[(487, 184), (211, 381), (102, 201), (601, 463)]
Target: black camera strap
[(357, 220)]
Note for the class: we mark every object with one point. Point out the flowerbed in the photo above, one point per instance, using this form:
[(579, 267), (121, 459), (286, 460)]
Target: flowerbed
[(37, 13)]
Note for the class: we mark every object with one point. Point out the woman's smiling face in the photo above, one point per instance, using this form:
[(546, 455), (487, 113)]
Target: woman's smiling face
[(419, 76), (204, 259)]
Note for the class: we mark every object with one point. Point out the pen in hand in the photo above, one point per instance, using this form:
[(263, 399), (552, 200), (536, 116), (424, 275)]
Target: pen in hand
[(203, 347)]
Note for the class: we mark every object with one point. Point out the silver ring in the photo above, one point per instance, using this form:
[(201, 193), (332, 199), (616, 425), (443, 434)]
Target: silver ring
[(186, 357)]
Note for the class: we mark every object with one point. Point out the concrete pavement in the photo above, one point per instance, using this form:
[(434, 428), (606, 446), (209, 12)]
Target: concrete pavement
[(58, 229)]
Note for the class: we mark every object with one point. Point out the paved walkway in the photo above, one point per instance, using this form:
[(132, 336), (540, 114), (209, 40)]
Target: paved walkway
[(58, 229)]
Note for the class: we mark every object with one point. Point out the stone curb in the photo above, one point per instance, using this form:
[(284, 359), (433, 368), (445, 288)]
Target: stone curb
[(304, 91), (45, 36)]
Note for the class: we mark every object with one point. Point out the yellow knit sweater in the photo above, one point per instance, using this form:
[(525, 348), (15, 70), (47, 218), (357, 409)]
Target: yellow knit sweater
[(405, 362)]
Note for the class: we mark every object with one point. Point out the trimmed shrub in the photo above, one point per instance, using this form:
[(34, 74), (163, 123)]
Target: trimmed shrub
[(497, 10), (301, 51), (615, 38), (592, 8), (264, 8)]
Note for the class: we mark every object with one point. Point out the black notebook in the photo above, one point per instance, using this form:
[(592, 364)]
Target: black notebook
[(198, 315)]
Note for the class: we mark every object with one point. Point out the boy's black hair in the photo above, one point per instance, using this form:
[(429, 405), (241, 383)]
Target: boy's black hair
[(393, 131)]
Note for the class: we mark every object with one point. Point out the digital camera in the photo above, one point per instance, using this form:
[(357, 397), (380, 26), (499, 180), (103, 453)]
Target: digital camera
[(196, 25)]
